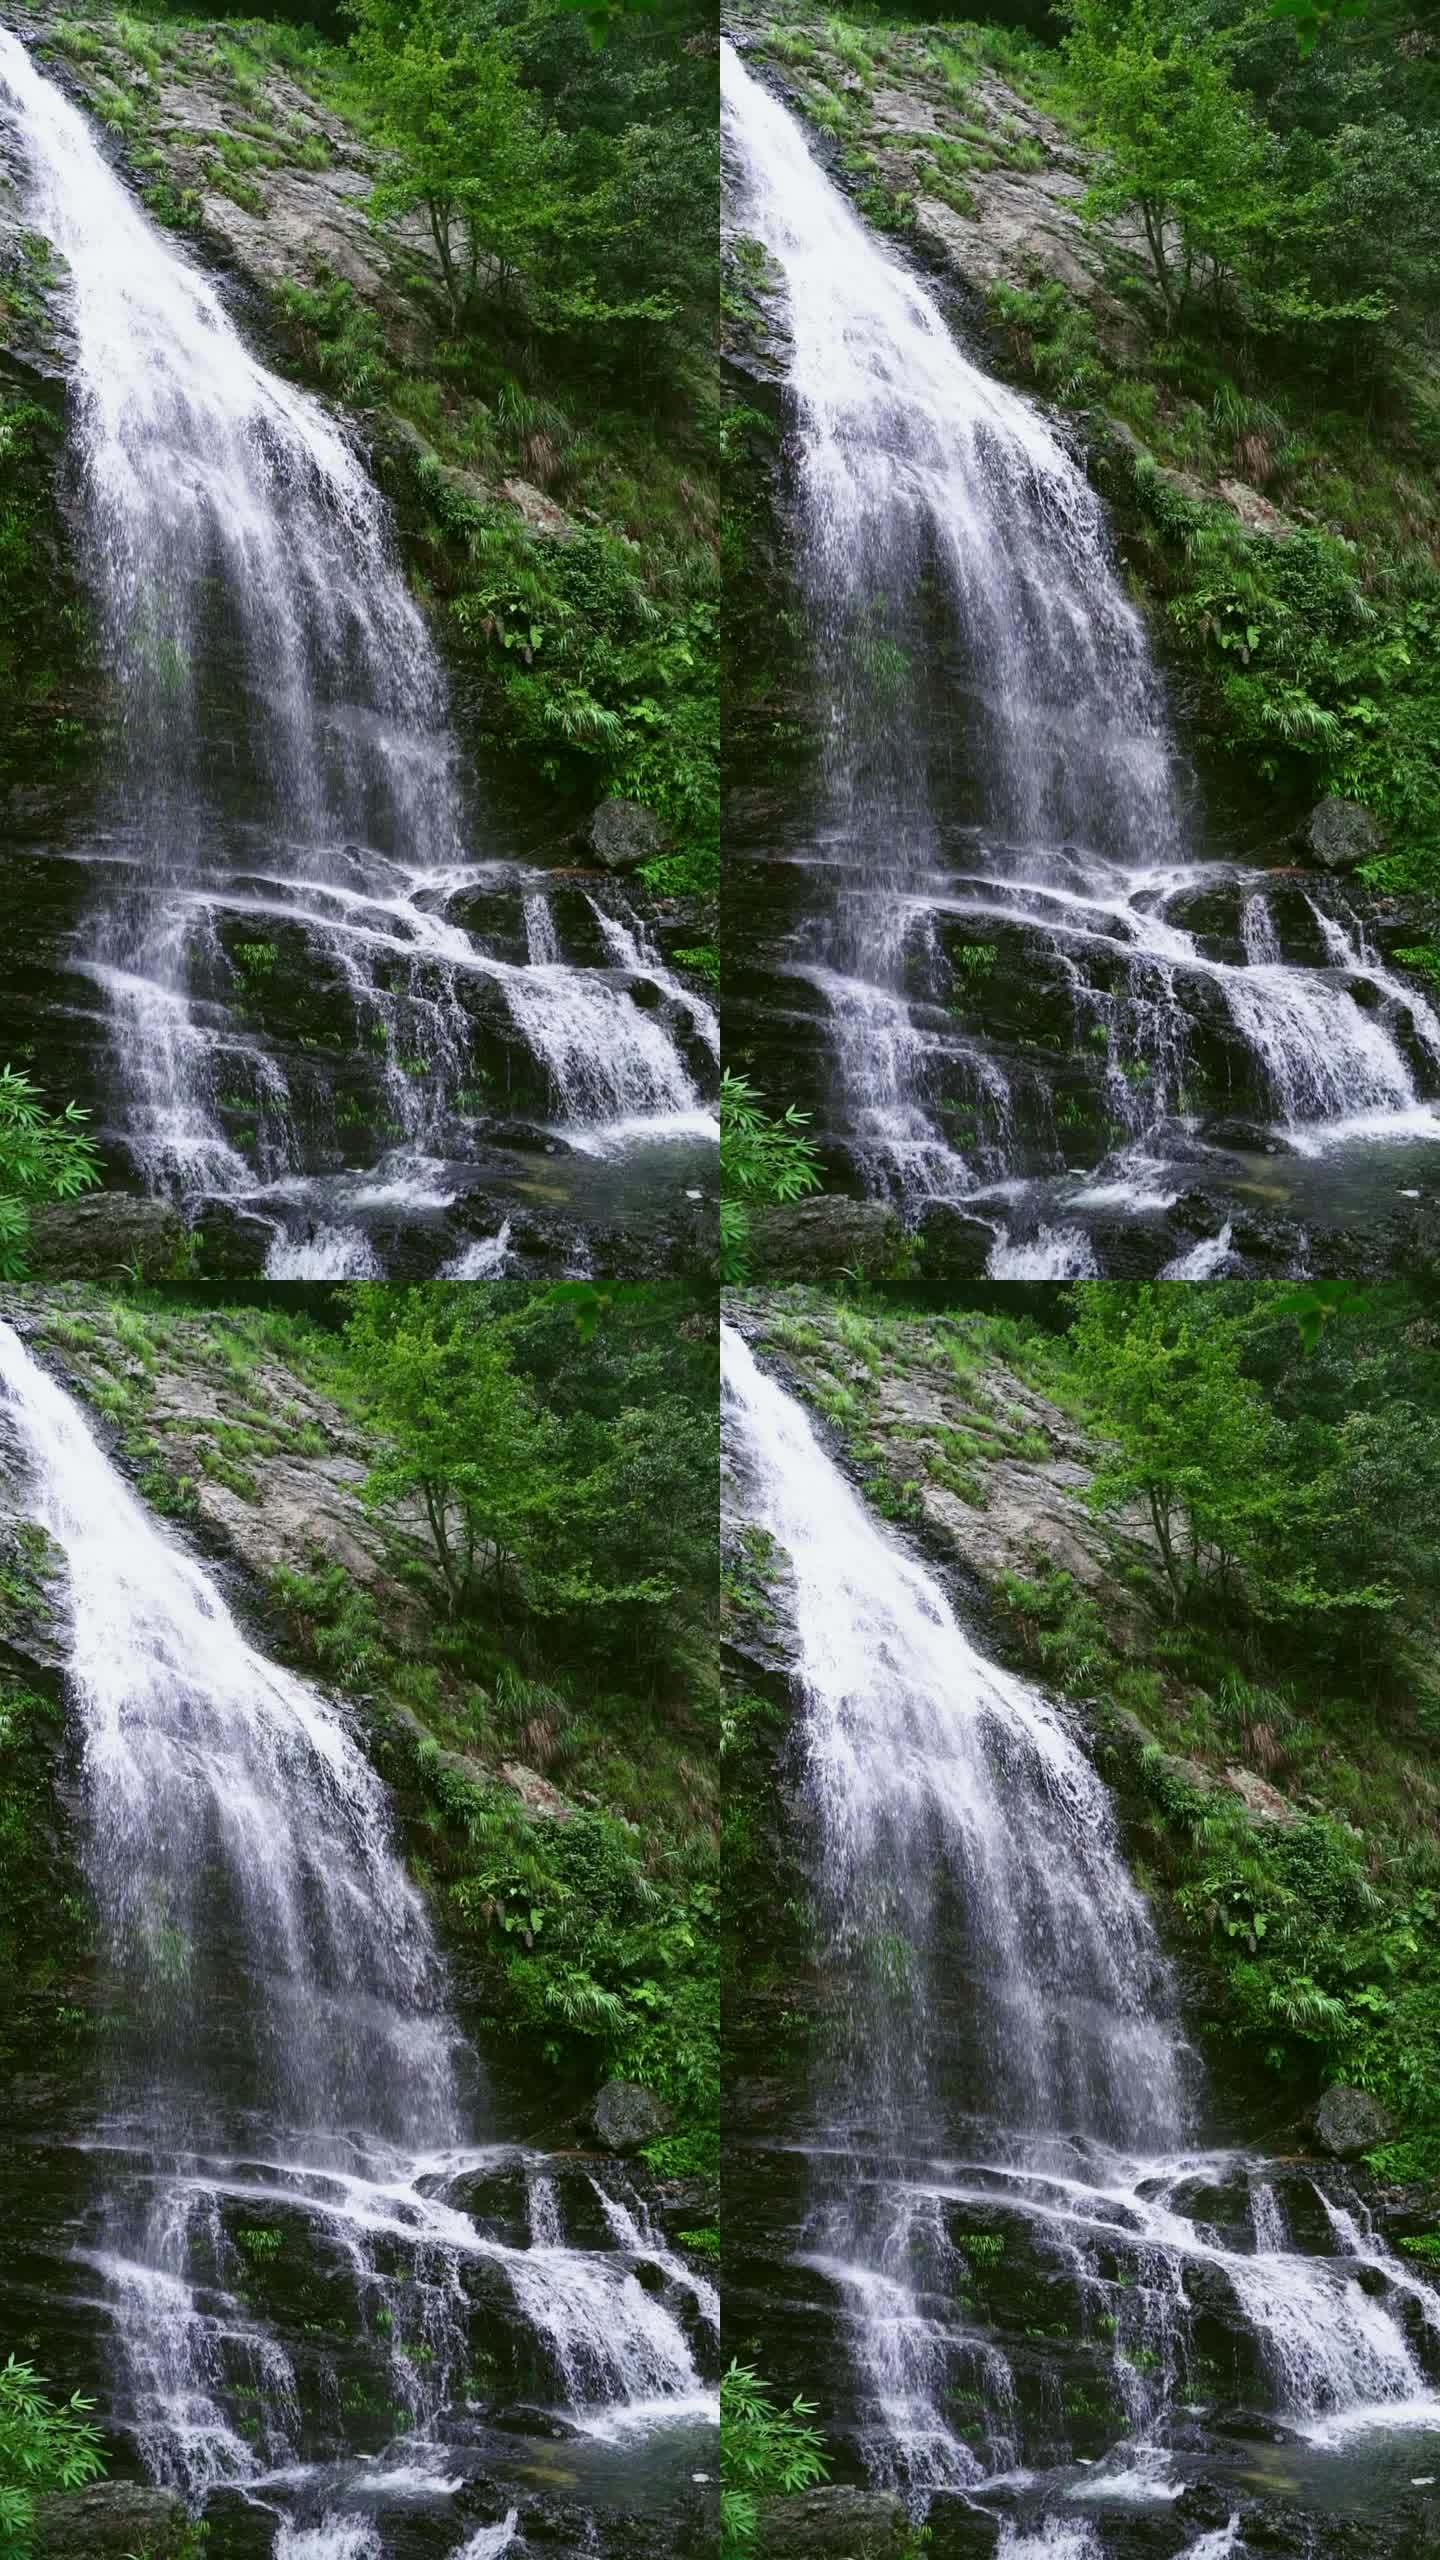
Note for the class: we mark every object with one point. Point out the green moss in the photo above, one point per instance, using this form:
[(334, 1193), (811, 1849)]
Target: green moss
[(46, 632), (45, 1912)]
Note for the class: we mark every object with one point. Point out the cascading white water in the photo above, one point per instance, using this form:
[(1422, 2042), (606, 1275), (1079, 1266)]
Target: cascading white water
[(962, 1836), (915, 471), (269, 658), (915, 1749), (285, 2044)]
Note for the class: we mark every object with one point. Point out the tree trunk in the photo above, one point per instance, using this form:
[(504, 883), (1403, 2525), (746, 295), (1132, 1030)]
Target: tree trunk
[(435, 1512), (1160, 1521), (1153, 218), (440, 233)]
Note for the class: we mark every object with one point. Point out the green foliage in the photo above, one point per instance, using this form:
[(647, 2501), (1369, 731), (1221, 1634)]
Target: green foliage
[(463, 144), (1295, 1472), (342, 338), (44, 625), (583, 186), (1181, 147), (1191, 1435), (462, 1435), (762, 1158), (44, 1155), (1296, 298), (602, 680), (596, 1515), (1312, 669), (765, 2451), (44, 2444), (608, 1960)]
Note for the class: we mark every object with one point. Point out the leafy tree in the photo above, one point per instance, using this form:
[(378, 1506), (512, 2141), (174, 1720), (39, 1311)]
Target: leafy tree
[(762, 1158), (43, 2445), (632, 1542), (1182, 148), (44, 1155), (1193, 1438), (464, 144), (1312, 18), (463, 1436), (765, 2451)]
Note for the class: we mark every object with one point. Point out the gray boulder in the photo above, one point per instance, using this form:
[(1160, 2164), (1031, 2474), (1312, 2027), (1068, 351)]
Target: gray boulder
[(113, 2520), (625, 2116), (623, 833), (1256, 513), (1340, 834), (1349, 2122)]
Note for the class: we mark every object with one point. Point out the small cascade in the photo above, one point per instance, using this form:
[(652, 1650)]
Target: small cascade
[(322, 1252), (615, 1072), (999, 2194), (286, 2085), (481, 1261), (632, 947), (298, 963), (1055, 2539), (1203, 1260), (1051, 1253), (335, 2538), (491, 2539), (1000, 860), (1217, 2545)]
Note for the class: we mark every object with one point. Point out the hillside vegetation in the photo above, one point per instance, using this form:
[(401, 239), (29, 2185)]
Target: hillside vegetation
[(484, 227), (495, 1537), (1215, 242), (1202, 1515)]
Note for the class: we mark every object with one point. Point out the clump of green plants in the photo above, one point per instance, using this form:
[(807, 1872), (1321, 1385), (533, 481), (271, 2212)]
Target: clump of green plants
[(766, 2450), (764, 1157), (44, 1155), (44, 2444)]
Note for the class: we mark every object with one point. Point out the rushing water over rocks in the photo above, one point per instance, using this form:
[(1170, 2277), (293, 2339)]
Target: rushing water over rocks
[(997, 2195), (990, 950), (309, 981), (316, 2282)]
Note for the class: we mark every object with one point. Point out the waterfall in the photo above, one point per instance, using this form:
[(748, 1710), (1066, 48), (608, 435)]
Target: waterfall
[(284, 764), (1007, 2052), (964, 606), (284, 2058)]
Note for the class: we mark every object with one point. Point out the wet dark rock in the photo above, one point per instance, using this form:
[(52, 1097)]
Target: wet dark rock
[(625, 2116), (809, 1238), (107, 1235), (1340, 834), (522, 2420), (231, 1242), (833, 2524), (1349, 2122), (954, 1246), (111, 2520), (624, 833)]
